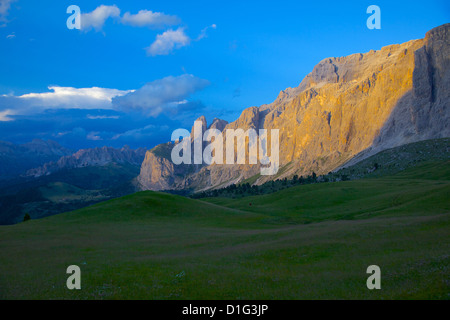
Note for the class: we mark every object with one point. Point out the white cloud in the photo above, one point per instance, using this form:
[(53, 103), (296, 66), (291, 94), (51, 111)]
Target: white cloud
[(58, 98), (91, 117), (145, 132), (131, 133), (203, 33), (96, 19), (4, 115), (146, 18), (164, 95), (11, 36), (157, 96), (69, 97), (5, 5), (168, 41), (94, 136), (164, 44)]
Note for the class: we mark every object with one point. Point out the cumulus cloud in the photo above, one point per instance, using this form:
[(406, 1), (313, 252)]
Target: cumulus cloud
[(5, 5), (166, 42), (169, 95), (58, 98), (69, 97), (96, 19), (170, 40), (147, 18), (160, 95)]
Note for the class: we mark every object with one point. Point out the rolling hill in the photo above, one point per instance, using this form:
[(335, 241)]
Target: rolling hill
[(65, 190), (306, 242), (73, 181)]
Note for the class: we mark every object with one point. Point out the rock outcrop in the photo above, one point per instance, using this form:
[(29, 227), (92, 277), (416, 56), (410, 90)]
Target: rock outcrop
[(345, 110)]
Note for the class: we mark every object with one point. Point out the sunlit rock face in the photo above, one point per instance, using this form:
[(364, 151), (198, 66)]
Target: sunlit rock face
[(345, 110)]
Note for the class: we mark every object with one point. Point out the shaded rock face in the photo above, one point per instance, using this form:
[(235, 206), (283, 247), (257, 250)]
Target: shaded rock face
[(345, 110), (423, 112), (91, 157), (431, 86)]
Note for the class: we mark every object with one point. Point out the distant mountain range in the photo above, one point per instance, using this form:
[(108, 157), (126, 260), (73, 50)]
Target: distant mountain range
[(38, 158), (91, 157), (42, 178), (17, 159), (344, 111)]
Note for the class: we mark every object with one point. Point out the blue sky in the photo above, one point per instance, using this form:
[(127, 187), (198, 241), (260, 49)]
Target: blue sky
[(131, 76)]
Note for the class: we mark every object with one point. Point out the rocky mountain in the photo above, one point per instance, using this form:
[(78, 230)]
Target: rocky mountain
[(46, 148), (345, 110), (17, 159), (91, 157), (158, 172), (70, 182)]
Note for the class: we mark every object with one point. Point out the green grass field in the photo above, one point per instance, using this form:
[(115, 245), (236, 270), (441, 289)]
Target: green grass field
[(307, 242)]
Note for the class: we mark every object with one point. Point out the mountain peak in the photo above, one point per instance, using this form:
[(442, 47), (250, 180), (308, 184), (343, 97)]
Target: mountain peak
[(344, 107), (218, 124)]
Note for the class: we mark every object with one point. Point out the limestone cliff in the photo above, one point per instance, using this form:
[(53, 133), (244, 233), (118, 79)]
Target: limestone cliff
[(345, 110)]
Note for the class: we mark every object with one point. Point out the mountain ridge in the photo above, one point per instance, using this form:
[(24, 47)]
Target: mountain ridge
[(16, 159), (90, 157), (346, 107)]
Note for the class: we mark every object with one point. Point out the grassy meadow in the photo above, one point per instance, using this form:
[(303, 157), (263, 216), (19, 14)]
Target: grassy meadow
[(306, 242)]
